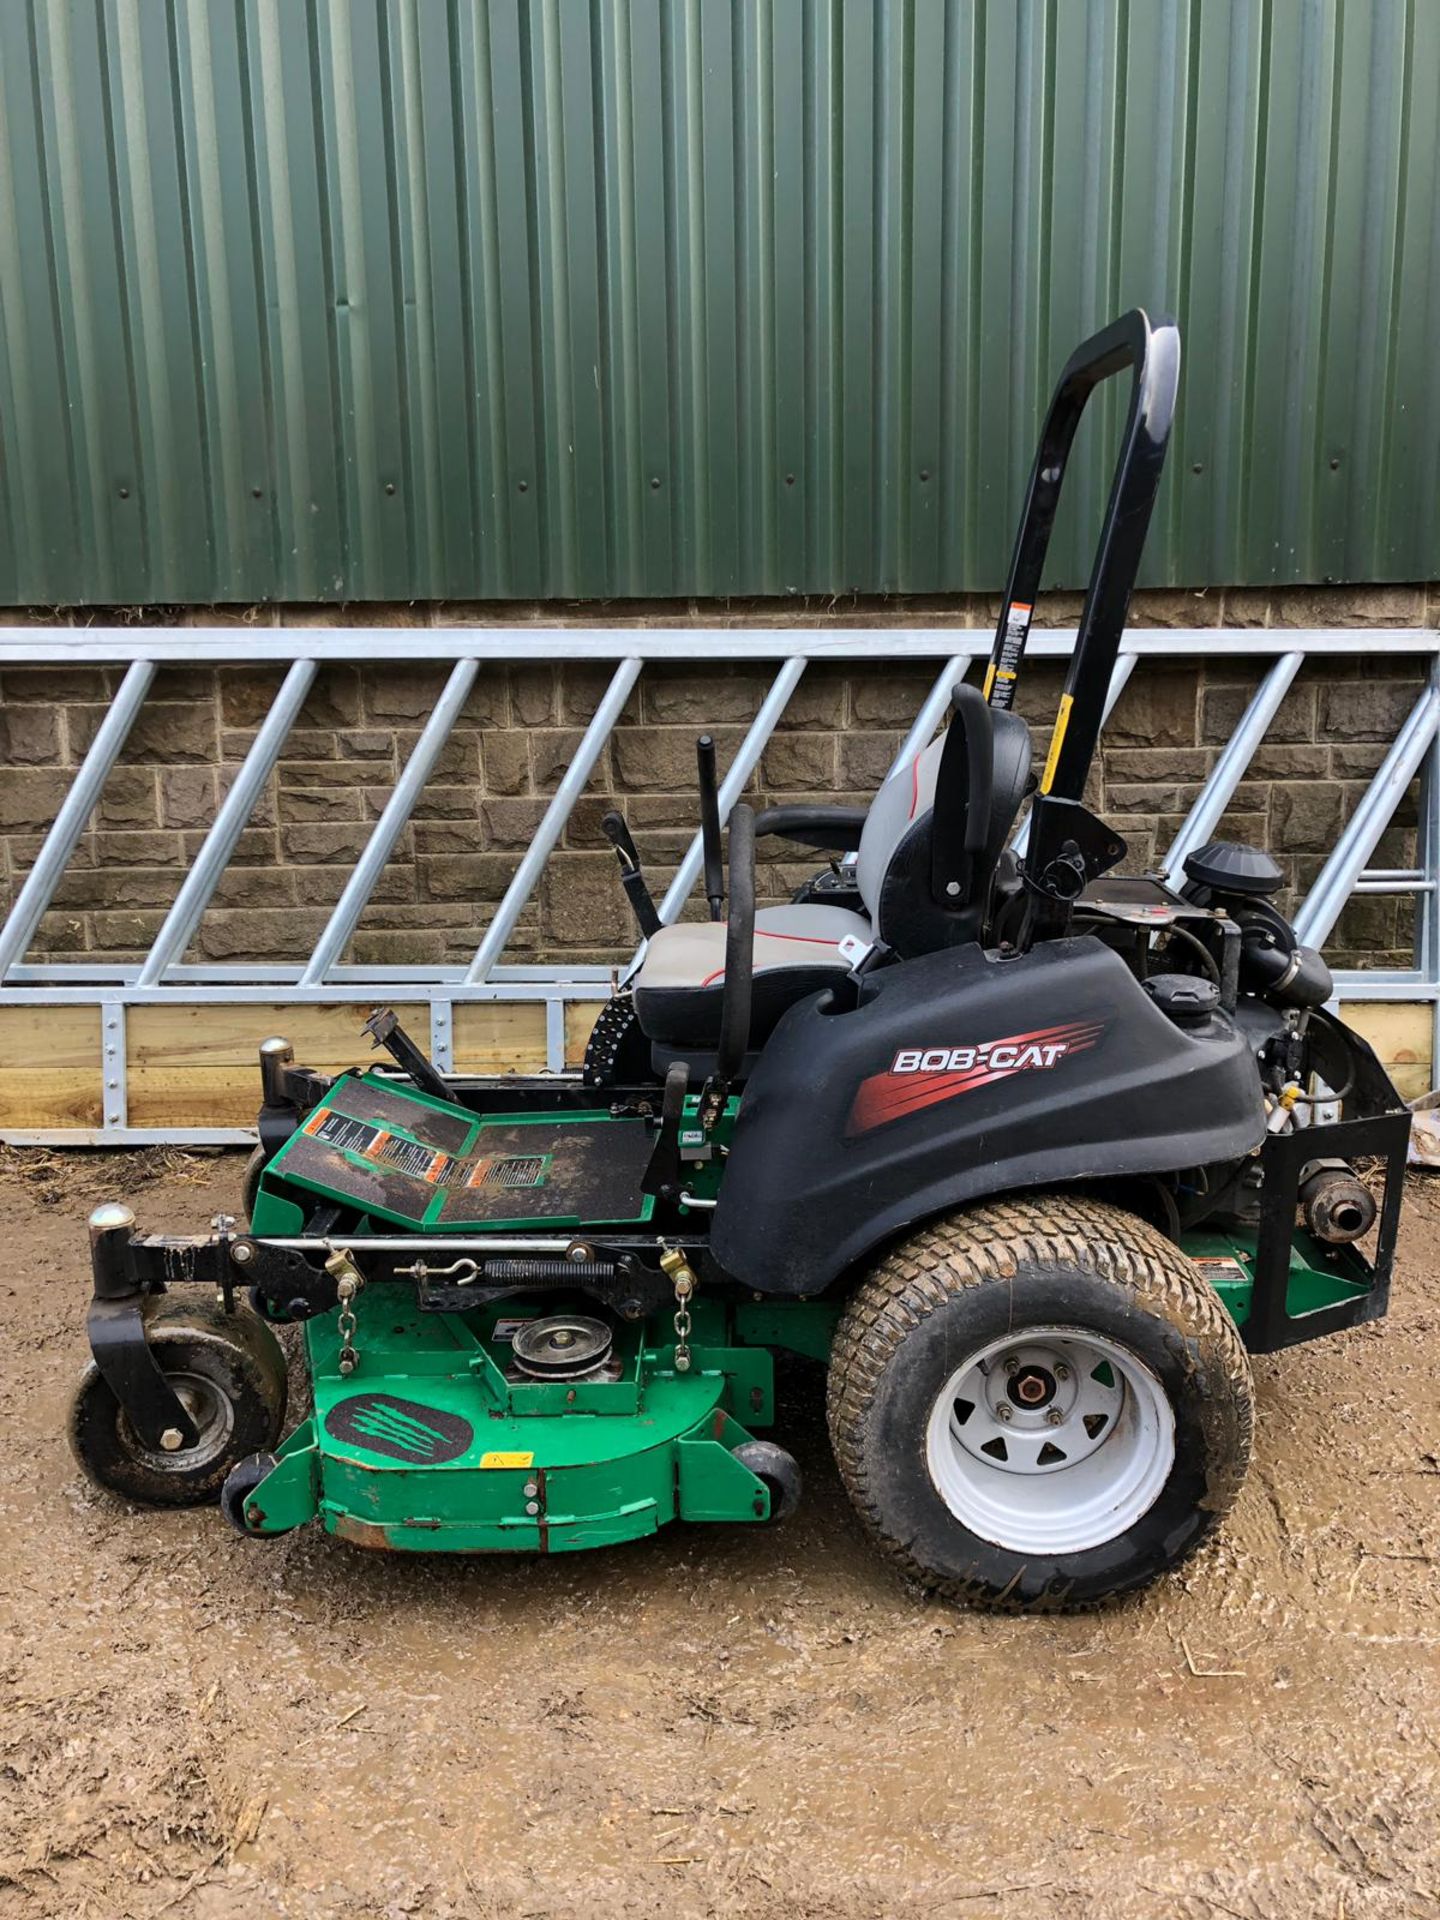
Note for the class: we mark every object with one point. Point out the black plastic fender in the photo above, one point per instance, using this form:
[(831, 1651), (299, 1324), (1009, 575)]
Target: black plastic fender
[(962, 1075)]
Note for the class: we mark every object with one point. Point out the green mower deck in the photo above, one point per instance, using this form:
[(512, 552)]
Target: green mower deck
[(436, 1443)]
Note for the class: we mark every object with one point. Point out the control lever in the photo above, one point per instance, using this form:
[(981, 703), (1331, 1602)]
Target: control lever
[(616, 830), (710, 827), (386, 1031), (665, 1174)]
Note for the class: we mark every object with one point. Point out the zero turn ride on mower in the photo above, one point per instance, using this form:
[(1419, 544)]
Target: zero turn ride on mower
[(1029, 1155)]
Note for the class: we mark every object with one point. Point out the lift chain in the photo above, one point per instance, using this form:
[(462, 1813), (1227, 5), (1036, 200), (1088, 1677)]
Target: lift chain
[(683, 1278), (349, 1355), (348, 1282)]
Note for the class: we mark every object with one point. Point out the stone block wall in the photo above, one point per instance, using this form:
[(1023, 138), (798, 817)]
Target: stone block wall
[(520, 726)]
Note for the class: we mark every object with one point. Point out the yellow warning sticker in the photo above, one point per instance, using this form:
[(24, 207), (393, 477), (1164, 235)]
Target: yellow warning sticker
[(507, 1459), (989, 678), (1057, 740)]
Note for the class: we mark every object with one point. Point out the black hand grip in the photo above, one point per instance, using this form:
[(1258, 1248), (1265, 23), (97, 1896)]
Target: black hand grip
[(739, 947), (616, 829), (710, 825)]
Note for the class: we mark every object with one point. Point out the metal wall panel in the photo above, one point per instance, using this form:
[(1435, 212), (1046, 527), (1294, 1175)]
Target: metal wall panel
[(320, 299)]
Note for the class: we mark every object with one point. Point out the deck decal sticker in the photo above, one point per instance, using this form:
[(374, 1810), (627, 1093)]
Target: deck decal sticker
[(920, 1077), (400, 1429)]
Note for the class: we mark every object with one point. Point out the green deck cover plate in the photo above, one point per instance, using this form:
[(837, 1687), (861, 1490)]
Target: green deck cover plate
[(429, 1447), (1320, 1276)]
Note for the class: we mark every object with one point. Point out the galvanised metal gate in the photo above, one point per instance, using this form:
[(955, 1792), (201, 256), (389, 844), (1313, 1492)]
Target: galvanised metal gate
[(165, 976)]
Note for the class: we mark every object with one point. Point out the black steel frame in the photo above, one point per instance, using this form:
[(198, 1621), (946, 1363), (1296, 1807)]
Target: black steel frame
[(1379, 1129)]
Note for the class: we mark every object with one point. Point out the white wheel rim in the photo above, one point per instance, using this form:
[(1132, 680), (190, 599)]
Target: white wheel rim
[(1052, 1440)]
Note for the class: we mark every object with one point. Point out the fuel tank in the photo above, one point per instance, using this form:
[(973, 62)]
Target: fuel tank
[(959, 1075)]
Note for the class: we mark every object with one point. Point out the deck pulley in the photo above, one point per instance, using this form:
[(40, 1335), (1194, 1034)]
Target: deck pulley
[(563, 1346)]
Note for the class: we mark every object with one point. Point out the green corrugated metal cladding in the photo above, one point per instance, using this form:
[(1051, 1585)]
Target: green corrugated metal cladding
[(322, 299)]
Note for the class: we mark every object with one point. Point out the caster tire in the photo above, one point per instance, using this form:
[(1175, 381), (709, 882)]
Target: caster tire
[(241, 1481), (250, 1183), (1039, 1404), (780, 1472), (229, 1371)]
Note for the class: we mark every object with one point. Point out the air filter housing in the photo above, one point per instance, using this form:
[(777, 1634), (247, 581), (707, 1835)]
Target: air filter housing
[(1228, 866)]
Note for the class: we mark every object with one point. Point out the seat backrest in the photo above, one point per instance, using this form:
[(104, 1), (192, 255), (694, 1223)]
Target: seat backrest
[(893, 866)]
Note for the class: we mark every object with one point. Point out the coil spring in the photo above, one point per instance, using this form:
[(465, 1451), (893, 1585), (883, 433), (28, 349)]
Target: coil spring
[(519, 1272)]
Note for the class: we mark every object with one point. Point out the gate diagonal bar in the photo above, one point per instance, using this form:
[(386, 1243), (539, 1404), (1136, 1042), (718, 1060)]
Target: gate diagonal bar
[(167, 977)]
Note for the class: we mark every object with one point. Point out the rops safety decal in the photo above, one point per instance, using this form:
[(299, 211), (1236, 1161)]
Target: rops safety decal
[(921, 1077)]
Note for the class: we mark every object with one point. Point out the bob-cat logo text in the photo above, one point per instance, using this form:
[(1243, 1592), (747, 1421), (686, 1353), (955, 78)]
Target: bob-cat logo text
[(921, 1076), (1007, 1056)]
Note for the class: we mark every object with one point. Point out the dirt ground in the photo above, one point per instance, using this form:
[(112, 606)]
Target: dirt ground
[(719, 1721)]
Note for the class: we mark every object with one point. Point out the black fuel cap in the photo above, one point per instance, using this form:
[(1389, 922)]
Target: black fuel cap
[(1184, 997)]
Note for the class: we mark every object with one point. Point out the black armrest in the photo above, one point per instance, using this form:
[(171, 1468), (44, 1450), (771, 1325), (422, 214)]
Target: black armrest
[(832, 829)]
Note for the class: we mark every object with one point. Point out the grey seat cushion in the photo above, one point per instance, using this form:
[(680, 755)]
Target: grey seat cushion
[(680, 987)]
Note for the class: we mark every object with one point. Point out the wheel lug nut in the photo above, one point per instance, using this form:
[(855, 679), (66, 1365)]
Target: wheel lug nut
[(1002, 1412), (1062, 1372), (172, 1439), (1012, 1365), (1054, 1416)]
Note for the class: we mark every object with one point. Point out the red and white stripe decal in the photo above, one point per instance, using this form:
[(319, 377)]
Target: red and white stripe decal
[(922, 1077), (800, 939)]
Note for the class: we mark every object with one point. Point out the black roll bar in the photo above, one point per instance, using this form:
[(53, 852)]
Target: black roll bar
[(1151, 350)]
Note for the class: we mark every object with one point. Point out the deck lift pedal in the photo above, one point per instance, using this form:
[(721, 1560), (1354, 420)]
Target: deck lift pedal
[(1028, 1153)]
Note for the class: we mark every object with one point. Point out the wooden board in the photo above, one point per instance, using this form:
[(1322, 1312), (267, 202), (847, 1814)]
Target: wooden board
[(1400, 1033), (196, 1066), (498, 1036), (580, 1017), (50, 1067)]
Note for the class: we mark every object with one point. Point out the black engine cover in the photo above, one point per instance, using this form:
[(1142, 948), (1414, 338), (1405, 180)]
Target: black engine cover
[(961, 1075)]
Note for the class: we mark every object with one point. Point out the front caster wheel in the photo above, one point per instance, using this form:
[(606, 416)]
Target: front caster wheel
[(250, 1183), (241, 1481), (778, 1469), (1040, 1403), (229, 1372)]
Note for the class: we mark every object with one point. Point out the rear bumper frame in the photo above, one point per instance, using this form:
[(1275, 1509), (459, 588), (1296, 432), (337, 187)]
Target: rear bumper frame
[(1378, 1129)]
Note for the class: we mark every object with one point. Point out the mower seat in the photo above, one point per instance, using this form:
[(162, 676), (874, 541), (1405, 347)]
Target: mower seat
[(679, 989)]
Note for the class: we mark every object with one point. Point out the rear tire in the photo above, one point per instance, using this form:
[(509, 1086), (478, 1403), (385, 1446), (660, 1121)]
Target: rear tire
[(1039, 1404)]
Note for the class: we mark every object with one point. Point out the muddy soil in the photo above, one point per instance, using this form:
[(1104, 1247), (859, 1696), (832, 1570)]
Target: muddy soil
[(717, 1722)]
